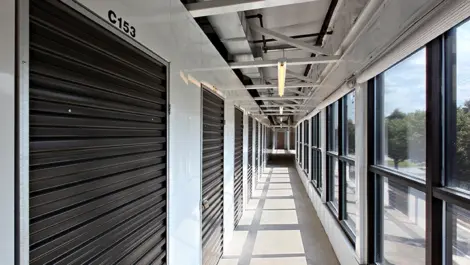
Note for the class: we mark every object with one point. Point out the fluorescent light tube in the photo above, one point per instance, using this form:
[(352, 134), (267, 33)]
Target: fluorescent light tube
[(281, 77)]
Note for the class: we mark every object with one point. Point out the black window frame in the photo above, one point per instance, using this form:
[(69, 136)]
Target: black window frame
[(342, 159), (306, 147), (440, 134), (316, 151)]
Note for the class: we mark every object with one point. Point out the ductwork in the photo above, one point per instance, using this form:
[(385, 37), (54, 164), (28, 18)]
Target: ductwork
[(233, 31)]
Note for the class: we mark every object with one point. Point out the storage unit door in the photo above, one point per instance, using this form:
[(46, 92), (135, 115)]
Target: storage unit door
[(256, 146), (238, 170), (98, 144), (280, 140), (250, 158), (212, 177)]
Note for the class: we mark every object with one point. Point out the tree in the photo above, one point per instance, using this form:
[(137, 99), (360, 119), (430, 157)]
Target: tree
[(462, 145), (351, 137), (416, 123), (397, 129)]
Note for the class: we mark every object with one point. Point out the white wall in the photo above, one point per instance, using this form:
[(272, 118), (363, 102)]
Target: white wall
[(7, 131), (229, 157)]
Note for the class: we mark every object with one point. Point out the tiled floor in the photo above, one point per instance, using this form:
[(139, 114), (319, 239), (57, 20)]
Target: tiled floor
[(280, 226)]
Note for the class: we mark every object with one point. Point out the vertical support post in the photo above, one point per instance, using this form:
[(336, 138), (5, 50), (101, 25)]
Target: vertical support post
[(362, 245), (323, 125), (434, 168)]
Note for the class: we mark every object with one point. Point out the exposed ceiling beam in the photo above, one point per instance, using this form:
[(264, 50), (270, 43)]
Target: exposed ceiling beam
[(286, 39), (277, 106), (294, 61), (276, 86), (210, 8), (269, 98), (301, 77), (294, 37), (285, 111)]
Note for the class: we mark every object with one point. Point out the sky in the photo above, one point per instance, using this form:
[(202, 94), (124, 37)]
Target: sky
[(405, 82)]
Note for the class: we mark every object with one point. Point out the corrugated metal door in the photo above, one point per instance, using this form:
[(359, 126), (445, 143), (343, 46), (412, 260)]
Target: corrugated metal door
[(98, 144), (256, 146), (250, 158), (238, 170), (212, 177)]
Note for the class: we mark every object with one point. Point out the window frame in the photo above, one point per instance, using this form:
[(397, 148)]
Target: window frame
[(343, 159), (441, 87), (316, 153)]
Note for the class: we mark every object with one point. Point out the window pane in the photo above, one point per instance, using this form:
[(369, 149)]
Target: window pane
[(404, 221), (351, 199), (403, 117), (459, 224), (333, 127), (351, 123), (334, 180), (461, 175)]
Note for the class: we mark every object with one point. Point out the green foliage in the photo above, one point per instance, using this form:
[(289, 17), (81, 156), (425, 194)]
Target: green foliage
[(397, 141), (405, 130), (463, 142), (351, 137)]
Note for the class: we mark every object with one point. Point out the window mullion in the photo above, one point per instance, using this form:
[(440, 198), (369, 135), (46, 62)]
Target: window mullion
[(341, 167), (434, 169)]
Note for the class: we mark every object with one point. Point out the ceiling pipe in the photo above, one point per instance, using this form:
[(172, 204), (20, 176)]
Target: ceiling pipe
[(286, 39), (367, 16), (293, 37), (260, 17), (294, 61)]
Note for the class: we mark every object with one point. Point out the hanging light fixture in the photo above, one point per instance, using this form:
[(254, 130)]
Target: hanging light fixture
[(281, 77), (281, 110)]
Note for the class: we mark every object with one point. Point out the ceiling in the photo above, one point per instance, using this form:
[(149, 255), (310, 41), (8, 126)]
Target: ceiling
[(234, 22)]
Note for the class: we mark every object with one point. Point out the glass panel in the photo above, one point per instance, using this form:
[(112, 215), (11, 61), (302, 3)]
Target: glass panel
[(461, 178), (319, 172), (351, 199), (333, 127), (459, 234), (403, 117), (334, 175), (351, 123), (404, 224)]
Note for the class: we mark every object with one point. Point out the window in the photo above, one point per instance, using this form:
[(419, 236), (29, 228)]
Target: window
[(350, 124), (341, 173), (316, 152), (457, 146), (306, 151), (399, 164), (402, 116), (460, 177), (404, 222)]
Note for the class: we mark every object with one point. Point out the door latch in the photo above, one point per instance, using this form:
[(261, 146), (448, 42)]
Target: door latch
[(205, 204)]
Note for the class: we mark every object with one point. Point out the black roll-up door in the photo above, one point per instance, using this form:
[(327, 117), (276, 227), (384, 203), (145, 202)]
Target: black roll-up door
[(256, 146), (98, 144), (212, 177), (238, 166), (250, 158)]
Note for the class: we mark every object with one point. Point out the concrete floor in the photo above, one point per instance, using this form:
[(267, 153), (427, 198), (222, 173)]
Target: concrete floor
[(280, 225)]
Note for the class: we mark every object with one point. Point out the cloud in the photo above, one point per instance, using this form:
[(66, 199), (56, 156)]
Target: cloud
[(405, 83)]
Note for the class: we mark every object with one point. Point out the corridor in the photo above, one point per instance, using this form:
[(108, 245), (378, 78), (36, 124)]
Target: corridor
[(279, 226)]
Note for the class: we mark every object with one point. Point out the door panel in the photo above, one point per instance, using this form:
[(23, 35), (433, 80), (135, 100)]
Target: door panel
[(238, 166), (98, 144), (212, 177)]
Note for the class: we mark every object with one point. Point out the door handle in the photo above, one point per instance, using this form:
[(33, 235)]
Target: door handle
[(205, 204)]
